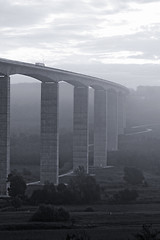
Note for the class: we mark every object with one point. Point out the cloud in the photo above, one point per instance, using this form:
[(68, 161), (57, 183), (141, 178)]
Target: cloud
[(15, 15), (84, 35)]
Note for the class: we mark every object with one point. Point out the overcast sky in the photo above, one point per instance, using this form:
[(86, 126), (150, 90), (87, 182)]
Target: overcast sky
[(117, 40)]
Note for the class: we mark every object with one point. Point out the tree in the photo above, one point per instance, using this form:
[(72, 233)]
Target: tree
[(17, 185), (77, 236), (81, 189), (124, 196), (64, 195), (47, 195), (84, 187), (147, 233), (133, 175)]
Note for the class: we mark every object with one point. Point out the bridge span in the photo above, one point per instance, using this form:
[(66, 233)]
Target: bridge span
[(109, 117)]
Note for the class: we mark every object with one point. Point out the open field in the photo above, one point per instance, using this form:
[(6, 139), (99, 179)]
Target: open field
[(94, 234), (106, 222), (110, 222)]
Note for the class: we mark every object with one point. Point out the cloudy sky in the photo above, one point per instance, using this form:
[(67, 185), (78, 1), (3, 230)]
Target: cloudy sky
[(116, 40)]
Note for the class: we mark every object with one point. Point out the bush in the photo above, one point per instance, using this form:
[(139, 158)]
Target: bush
[(89, 209), (147, 233), (47, 213), (62, 215), (51, 194), (77, 236), (84, 188), (17, 185), (133, 175), (46, 195), (64, 195), (124, 196)]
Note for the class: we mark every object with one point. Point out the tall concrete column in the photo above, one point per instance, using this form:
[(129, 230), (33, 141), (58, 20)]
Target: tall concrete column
[(49, 160), (121, 113), (112, 118), (124, 111), (4, 133), (100, 128), (80, 128)]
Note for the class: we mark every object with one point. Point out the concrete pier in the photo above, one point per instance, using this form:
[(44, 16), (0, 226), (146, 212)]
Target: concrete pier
[(106, 128), (4, 133), (49, 160), (112, 119), (121, 113), (80, 128), (100, 128)]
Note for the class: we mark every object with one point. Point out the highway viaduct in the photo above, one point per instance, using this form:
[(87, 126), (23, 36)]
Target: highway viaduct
[(109, 117)]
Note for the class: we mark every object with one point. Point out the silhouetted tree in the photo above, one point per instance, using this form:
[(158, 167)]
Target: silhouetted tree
[(46, 195), (17, 185), (147, 233), (64, 195), (81, 189), (84, 187), (77, 236)]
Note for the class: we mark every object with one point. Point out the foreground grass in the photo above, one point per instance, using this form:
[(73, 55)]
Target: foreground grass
[(105, 222), (94, 234)]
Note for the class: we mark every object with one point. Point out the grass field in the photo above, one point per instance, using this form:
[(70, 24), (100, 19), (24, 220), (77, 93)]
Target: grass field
[(94, 234), (105, 222)]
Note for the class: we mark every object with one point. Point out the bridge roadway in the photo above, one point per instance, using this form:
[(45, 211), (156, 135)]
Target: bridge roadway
[(109, 117)]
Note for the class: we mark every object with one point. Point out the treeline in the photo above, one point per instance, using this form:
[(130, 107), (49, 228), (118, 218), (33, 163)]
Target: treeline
[(81, 189)]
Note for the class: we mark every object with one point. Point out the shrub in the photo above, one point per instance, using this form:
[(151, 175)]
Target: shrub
[(89, 209), (77, 236), (64, 195), (83, 187), (46, 195), (124, 196), (133, 175), (17, 185), (147, 233), (61, 187), (47, 213), (62, 215)]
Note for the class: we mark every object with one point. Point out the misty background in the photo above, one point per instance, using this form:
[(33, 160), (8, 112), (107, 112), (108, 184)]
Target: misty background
[(143, 117)]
